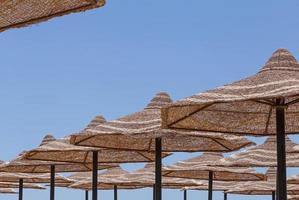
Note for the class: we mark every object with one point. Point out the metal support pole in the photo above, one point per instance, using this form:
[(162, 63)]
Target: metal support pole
[(281, 153), (273, 195), (86, 195), (154, 192), (52, 183), (115, 192), (21, 189), (94, 175), (210, 197), (185, 194), (225, 196), (158, 178)]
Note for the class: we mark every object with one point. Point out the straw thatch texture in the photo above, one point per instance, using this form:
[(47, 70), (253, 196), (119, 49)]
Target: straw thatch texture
[(293, 179), (22, 165), (264, 155), (246, 106), (20, 13), (60, 150), (217, 186), (31, 178), (25, 185), (7, 191), (293, 197), (261, 187), (199, 167), (138, 130)]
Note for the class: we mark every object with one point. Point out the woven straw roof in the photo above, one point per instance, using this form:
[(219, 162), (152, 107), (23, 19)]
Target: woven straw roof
[(20, 13), (199, 167), (293, 179), (22, 165), (243, 107), (60, 150), (25, 185), (7, 191), (293, 197), (31, 178), (217, 186), (138, 130), (261, 187), (263, 155)]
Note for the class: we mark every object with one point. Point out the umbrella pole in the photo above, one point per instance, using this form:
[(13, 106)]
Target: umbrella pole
[(210, 196), (21, 189), (115, 192), (273, 195), (185, 194), (154, 192), (94, 175), (281, 153), (158, 163), (86, 194), (225, 196), (52, 183)]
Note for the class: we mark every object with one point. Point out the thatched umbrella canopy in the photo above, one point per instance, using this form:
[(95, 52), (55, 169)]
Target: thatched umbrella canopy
[(20, 13), (293, 197), (7, 191), (203, 168), (252, 106), (143, 131), (264, 155)]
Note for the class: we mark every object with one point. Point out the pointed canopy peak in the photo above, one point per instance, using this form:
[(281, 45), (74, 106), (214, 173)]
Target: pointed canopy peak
[(281, 59), (272, 139), (271, 173), (96, 121), (161, 99), (48, 138)]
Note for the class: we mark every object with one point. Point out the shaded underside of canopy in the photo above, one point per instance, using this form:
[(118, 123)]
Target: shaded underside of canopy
[(138, 131), (60, 150), (20, 13), (264, 155), (246, 106), (199, 168)]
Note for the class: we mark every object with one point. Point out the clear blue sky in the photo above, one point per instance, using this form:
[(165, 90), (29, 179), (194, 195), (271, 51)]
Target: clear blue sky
[(57, 75)]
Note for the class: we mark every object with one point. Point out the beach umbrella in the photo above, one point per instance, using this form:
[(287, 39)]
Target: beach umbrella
[(22, 178), (263, 155), (21, 13), (267, 187), (260, 105), (60, 150), (7, 191), (23, 165), (293, 197), (203, 168), (142, 131)]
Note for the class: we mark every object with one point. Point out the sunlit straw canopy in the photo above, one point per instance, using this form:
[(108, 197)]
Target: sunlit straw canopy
[(17, 185), (137, 131), (217, 185), (23, 165), (293, 197), (31, 178), (7, 191), (264, 155), (246, 106), (199, 168), (261, 187), (20, 13), (60, 150)]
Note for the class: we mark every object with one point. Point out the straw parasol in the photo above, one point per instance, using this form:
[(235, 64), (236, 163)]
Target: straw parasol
[(203, 168), (142, 131), (262, 187), (25, 185), (7, 191), (293, 197), (253, 106), (263, 155), (20, 13)]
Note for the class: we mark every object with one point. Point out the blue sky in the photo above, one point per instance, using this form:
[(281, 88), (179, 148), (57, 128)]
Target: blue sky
[(56, 76)]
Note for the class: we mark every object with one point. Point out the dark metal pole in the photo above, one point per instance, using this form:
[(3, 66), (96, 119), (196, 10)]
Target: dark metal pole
[(86, 195), (154, 192), (21, 189), (210, 197), (273, 195), (115, 192), (225, 196), (52, 183), (158, 178), (94, 175), (281, 153), (185, 194)]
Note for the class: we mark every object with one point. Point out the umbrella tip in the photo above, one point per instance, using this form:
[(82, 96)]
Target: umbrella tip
[(96, 121), (48, 138), (160, 99), (281, 59)]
